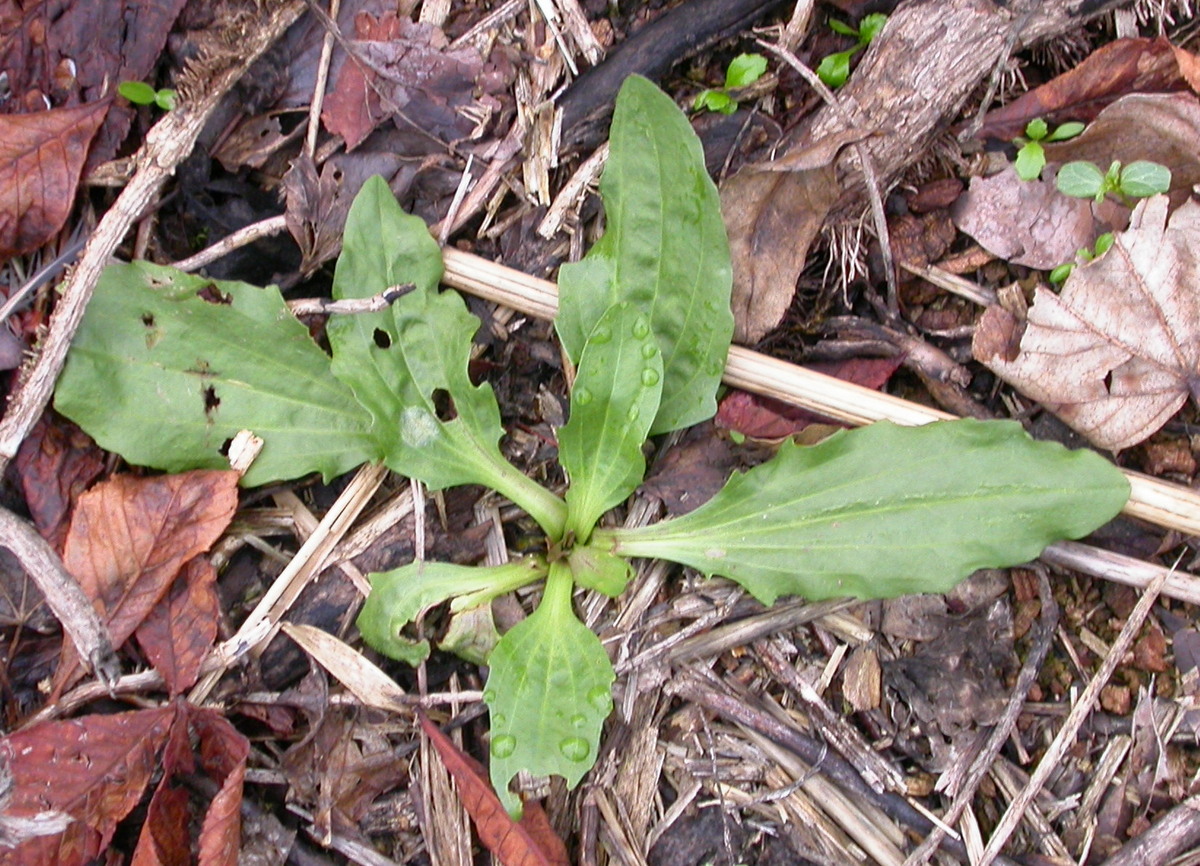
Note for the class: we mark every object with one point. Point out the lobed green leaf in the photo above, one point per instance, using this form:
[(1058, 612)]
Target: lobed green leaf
[(399, 596), (167, 367), (664, 251), (887, 510), (549, 691), (613, 402)]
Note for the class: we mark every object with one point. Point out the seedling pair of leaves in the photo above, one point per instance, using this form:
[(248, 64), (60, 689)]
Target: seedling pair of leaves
[(834, 68), (1031, 156), (141, 93), (1103, 244), (167, 367), (1140, 179), (744, 70)]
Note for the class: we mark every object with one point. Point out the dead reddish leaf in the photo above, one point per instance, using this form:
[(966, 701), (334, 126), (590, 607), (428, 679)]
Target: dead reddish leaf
[(1157, 127), (95, 769), (766, 418), (690, 473), (179, 632), (223, 753), (1118, 352), (1121, 67), (529, 842), (405, 71), (164, 840), (918, 241), (772, 213), (55, 464), (130, 537), (42, 156), (1030, 222)]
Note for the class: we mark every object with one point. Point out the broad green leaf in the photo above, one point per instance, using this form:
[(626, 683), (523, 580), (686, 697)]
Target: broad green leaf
[(664, 251), (714, 100), (834, 69), (744, 70), (1079, 179), (399, 596), (1104, 243), (1142, 179), (599, 570), (168, 366), (616, 393), (1031, 159), (382, 247), (549, 692), (1036, 129), (870, 27), (842, 28), (886, 510), (1066, 131), (408, 363), (1059, 275)]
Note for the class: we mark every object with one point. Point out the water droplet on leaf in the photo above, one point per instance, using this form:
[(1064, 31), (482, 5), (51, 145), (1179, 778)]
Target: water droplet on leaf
[(601, 335), (504, 745), (601, 700), (649, 350), (573, 748), (641, 329), (489, 696), (498, 720), (650, 377), (579, 720), (582, 396), (632, 413)]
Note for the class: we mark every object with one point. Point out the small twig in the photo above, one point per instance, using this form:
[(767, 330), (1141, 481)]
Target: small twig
[(1175, 833), (349, 306), (240, 238), (318, 98), (1074, 721), (870, 174), (64, 596), (978, 770)]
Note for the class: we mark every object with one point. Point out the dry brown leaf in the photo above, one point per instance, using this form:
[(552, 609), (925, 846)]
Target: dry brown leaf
[(1121, 67), (129, 538), (772, 213), (1118, 352), (1030, 222), (42, 156)]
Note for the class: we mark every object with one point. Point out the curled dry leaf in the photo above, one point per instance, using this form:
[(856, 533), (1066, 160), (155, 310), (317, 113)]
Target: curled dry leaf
[(1121, 67), (772, 212), (1118, 352), (41, 158)]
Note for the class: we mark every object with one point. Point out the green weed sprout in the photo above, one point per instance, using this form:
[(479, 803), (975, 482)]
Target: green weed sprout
[(141, 93), (835, 68), (1103, 244), (744, 70), (1031, 156), (1139, 179), (162, 375)]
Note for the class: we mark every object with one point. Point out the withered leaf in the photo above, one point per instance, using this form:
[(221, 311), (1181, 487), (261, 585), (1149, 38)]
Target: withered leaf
[(773, 212), (41, 158), (129, 538), (1122, 66), (223, 753), (529, 842), (179, 631), (94, 769), (55, 464), (164, 840), (1118, 352)]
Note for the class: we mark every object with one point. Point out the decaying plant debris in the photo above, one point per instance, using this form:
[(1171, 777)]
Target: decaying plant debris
[(824, 731)]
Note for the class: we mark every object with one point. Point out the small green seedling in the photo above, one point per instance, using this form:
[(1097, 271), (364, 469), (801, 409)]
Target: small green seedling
[(141, 93), (1139, 179), (835, 68), (744, 70), (1103, 244), (1031, 156), (167, 366)]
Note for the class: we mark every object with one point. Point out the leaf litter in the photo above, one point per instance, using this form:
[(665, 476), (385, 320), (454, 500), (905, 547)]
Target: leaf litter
[(698, 747)]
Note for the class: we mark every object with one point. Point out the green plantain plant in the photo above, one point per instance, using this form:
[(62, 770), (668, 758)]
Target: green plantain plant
[(168, 366)]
